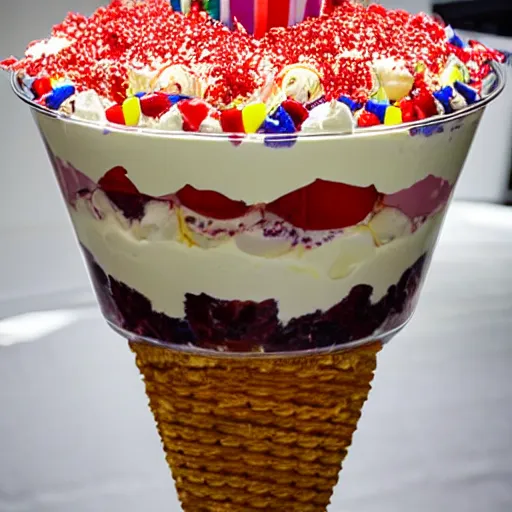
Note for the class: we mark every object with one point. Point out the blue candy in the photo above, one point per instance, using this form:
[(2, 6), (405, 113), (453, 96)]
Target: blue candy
[(444, 96), (351, 104), (58, 96), (176, 98), (378, 108), (316, 103), (453, 38), (140, 94), (278, 123), (469, 94)]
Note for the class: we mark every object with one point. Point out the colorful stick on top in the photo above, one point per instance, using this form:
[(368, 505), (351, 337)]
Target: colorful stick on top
[(259, 16)]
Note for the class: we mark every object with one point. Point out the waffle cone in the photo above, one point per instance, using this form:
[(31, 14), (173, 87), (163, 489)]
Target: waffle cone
[(253, 434)]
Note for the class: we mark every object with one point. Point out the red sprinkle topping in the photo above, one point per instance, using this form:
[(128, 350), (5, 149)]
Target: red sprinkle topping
[(233, 64)]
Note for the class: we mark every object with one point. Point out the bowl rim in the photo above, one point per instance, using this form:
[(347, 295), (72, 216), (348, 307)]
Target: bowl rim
[(262, 137)]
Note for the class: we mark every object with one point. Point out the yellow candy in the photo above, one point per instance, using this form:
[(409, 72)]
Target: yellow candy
[(420, 67), (393, 116), (253, 117), (380, 95), (455, 71), (131, 111)]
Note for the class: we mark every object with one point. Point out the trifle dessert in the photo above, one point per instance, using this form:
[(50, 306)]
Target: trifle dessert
[(257, 210)]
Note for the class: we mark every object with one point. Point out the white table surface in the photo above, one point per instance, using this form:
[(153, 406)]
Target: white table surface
[(76, 434)]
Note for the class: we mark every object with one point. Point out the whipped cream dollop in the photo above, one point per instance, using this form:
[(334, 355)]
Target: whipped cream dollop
[(333, 116), (394, 77)]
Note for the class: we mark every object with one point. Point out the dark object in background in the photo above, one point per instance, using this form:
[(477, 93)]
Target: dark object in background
[(484, 16)]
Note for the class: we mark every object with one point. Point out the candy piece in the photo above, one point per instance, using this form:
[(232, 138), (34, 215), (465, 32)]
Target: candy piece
[(140, 94), (26, 83), (444, 96), (453, 38), (378, 108), (333, 117), (489, 84), (367, 119), (155, 104), (298, 112), (408, 111), (316, 103), (115, 114), (394, 77), (393, 116), (469, 94), (231, 121), (42, 86), (194, 112), (351, 104), (176, 98), (279, 122), (380, 95), (56, 98), (458, 102), (131, 111), (253, 116), (425, 102), (88, 106), (455, 71)]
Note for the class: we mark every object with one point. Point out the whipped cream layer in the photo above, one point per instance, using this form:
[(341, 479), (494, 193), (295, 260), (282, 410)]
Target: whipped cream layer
[(160, 163), (164, 271)]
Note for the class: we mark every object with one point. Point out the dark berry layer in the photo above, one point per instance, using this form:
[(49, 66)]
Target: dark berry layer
[(247, 326)]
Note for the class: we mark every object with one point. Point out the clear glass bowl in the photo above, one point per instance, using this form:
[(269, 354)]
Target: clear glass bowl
[(279, 244)]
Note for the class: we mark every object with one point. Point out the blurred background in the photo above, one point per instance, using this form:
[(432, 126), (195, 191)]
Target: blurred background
[(79, 437)]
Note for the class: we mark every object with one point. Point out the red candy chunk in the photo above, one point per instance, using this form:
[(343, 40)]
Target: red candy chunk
[(231, 121), (115, 114), (42, 86), (211, 204), (297, 111), (425, 103), (325, 205), (194, 112), (367, 119), (116, 180), (155, 105), (409, 111)]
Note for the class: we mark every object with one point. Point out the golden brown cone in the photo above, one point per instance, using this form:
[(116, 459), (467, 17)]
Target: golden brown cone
[(252, 434)]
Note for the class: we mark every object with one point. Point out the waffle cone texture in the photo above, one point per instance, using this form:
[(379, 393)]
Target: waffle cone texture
[(253, 434)]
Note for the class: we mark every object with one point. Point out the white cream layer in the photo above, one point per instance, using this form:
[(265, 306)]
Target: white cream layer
[(164, 270), (159, 164)]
